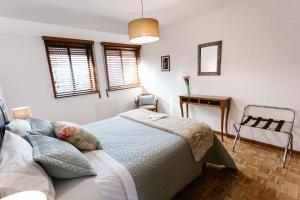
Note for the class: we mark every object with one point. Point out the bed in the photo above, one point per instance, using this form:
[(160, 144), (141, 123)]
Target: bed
[(138, 161)]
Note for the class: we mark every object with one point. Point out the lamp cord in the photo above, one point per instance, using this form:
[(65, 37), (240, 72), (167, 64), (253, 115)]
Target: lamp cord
[(142, 8)]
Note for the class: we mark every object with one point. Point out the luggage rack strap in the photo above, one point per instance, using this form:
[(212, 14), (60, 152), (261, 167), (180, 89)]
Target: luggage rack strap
[(269, 121), (247, 120), (256, 122), (279, 126)]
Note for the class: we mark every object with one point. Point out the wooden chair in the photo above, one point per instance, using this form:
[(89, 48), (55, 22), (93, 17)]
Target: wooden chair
[(147, 101)]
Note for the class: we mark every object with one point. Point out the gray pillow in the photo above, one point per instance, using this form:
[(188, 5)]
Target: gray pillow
[(59, 159), (147, 100), (42, 126)]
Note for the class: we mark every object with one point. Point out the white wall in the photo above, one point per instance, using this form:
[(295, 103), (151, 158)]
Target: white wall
[(1, 92), (25, 77), (260, 63)]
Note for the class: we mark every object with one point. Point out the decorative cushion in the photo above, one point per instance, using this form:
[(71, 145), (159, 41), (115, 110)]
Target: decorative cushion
[(77, 135), (60, 159), (147, 100), (42, 126), (18, 171), (19, 127), (149, 107)]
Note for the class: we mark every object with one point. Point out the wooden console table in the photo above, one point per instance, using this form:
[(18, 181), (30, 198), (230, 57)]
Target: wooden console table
[(215, 101)]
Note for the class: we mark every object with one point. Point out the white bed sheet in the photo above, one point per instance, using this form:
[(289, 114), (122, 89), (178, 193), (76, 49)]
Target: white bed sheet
[(113, 181)]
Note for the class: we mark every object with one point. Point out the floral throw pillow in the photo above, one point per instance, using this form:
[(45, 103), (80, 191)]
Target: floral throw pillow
[(80, 137)]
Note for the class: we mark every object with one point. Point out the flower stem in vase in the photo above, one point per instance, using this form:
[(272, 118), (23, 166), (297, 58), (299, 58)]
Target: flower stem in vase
[(187, 83)]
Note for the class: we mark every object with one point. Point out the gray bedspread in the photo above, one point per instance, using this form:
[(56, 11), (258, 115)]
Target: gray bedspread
[(161, 163)]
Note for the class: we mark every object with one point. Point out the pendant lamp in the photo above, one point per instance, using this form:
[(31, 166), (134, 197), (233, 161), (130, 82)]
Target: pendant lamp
[(143, 30)]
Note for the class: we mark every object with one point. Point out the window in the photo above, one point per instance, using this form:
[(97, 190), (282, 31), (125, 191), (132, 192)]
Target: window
[(122, 64), (72, 66)]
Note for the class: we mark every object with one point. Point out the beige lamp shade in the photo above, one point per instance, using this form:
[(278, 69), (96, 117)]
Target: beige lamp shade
[(21, 112), (27, 195), (143, 30)]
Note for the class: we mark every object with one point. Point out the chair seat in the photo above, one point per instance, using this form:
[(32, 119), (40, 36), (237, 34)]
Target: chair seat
[(148, 107)]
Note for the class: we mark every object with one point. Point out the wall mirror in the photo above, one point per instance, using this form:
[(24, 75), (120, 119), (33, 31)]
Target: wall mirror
[(209, 59)]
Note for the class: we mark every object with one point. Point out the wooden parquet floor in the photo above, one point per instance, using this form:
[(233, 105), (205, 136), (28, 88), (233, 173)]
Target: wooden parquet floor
[(260, 176)]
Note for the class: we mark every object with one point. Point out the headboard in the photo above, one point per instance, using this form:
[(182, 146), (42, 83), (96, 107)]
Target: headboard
[(3, 120)]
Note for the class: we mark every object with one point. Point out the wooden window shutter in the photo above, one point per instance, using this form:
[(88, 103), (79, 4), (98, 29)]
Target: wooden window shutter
[(122, 65), (72, 66)]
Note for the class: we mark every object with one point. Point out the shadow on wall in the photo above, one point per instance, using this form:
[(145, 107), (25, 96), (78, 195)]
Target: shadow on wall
[(106, 109), (113, 106), (164, 106)]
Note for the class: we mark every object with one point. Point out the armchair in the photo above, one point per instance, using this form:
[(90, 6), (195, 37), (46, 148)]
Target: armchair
[(147, 101)]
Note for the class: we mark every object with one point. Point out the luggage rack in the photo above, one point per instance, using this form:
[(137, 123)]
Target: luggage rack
[(276, 125)]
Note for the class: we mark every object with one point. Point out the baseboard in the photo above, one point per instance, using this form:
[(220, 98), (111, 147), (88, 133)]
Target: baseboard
[(257, 142)]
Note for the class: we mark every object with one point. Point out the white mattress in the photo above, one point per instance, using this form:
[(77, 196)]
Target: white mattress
[(113, 181)]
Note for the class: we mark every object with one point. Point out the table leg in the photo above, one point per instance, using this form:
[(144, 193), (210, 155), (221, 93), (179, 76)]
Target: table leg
[(222, 119), (181, 108), (187, 110), (227, 115)]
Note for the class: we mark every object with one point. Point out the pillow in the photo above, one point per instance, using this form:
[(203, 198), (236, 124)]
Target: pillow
[(42, 126), (18, 171), (60, 159), (80, 137), (147, 100), (19, 127)]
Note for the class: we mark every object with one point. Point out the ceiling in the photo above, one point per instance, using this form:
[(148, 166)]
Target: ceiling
[(107, 15)]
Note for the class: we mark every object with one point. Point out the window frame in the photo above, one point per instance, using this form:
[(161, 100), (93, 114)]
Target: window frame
[(121, 47), (75, 43)]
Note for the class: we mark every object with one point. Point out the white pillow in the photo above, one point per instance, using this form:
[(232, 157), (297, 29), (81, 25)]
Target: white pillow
[(19, 127), (18, 171)]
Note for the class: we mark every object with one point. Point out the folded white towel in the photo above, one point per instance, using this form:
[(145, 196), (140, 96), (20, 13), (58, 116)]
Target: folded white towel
[(157, 116)]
